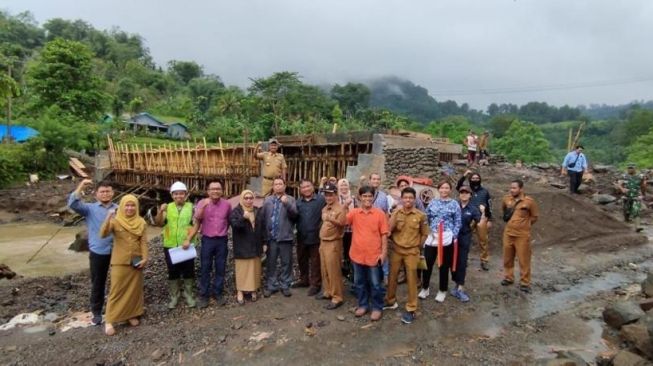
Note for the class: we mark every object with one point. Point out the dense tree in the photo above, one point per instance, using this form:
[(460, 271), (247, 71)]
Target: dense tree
[(524, 141), (499, 124), (185, 71), (454, 128), (641, 151), (63, 75), (352, 97)]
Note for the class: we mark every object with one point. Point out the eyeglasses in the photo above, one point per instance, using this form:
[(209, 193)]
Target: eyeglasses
[(248, 198)]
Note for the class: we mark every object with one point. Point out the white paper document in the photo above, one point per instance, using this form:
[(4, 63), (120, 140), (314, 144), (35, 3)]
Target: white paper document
[(178, 254)]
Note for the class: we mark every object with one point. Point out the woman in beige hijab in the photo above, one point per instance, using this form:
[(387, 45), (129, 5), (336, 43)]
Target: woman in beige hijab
[(128, 257)]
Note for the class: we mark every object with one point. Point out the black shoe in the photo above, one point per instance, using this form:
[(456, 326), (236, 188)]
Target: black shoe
[(313, 291), (96, 320), (299, 284), (484, 266), (286, 292), (267, 293), (525, 289), (203, 302), (506, 282), (333, 305), (221, 300)]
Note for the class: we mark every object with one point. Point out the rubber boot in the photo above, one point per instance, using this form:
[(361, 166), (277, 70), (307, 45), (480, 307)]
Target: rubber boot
[(174, 290), (189, 288)]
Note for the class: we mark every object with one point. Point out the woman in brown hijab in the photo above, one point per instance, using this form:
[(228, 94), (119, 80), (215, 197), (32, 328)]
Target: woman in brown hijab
[(247, 228), (128, 257)]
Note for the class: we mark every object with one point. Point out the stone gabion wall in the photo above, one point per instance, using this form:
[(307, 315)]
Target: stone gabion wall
[(416, 162)]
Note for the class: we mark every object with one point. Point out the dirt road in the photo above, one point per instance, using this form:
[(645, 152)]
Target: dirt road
[(583, 259)]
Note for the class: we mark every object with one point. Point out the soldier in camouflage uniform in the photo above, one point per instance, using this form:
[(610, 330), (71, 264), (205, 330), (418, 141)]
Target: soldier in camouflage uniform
[(633, 186)]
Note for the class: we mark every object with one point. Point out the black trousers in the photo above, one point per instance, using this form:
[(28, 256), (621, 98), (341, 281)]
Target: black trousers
[(575, 179), (180, 270), (99, 265), (464, 244), (347, 268), (308, 260), (431, 254)]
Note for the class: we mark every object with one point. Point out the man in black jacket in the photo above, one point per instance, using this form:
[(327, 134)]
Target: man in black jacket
[(482, 200), (309, 221)]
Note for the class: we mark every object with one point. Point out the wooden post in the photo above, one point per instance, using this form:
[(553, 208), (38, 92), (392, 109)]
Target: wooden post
[(224, 164)]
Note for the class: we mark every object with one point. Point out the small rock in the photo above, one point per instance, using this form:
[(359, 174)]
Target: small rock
[(341, 318), (602, 168), (622, 313), (646, 305), (222, 338), (322, 323), (583, 188), (237, 326), (647, 285), (156, 355), (603, 199), (637, 334), (51, 317), (625, 358), (559, 287), (11, 348), (604, 358)]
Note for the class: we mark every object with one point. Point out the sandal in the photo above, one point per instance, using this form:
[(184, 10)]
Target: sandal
[(134, 322), (253, 297), (109, 329), (240, 298)]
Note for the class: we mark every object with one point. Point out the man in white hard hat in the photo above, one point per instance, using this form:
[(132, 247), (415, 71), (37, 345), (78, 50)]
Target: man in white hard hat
[(177, 221)]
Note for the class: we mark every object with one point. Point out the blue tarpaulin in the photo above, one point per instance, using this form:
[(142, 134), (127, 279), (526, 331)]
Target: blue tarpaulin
[(18, 133)]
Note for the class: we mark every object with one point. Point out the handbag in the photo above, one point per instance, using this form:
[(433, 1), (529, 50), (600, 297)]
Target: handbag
[(507, 214), (422, 263), (571, 165)]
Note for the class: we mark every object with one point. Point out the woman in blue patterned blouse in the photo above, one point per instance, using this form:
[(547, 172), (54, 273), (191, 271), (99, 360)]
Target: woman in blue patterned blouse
[(444, 220)]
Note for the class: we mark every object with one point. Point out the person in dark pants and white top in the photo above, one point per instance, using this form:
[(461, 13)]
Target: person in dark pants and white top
[(574, 165)]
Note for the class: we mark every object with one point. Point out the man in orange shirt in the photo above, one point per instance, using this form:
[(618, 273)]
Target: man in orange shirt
[(520, 212), (369, 250)]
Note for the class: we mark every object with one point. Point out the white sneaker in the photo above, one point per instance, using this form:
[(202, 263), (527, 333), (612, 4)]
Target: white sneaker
[(423, 293), (440, 296)]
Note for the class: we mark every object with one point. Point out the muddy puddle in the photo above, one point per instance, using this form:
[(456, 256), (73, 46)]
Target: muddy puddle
[(20, 241)]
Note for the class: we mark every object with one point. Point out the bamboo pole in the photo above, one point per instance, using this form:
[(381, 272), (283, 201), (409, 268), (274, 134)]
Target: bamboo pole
[(206, 156), (224, 164)]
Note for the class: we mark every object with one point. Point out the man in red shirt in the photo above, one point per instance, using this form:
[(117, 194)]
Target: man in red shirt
[(369, 250)]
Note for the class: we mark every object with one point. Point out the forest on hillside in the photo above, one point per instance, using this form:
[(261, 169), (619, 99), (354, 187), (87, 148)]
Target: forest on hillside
[(74, 84)]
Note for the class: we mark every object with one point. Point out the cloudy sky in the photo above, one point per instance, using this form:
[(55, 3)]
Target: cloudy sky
[(475, 51)]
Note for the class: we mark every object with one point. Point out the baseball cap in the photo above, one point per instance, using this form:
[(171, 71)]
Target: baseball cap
[(330, 187), (465, 188)]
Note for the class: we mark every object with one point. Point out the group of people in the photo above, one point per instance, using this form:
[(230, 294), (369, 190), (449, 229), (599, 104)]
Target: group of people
[(632, 184), (477, 147), (336, 234)]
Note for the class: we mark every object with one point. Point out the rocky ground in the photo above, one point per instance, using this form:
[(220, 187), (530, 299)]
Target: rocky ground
[(584, 261)]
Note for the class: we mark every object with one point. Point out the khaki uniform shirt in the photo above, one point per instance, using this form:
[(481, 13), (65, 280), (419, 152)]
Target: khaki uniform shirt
[(273, 164), (410, 228), (526, 213), (329, 230)]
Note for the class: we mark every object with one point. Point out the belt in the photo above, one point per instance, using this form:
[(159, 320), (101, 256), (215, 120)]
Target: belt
[(268, 178)]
